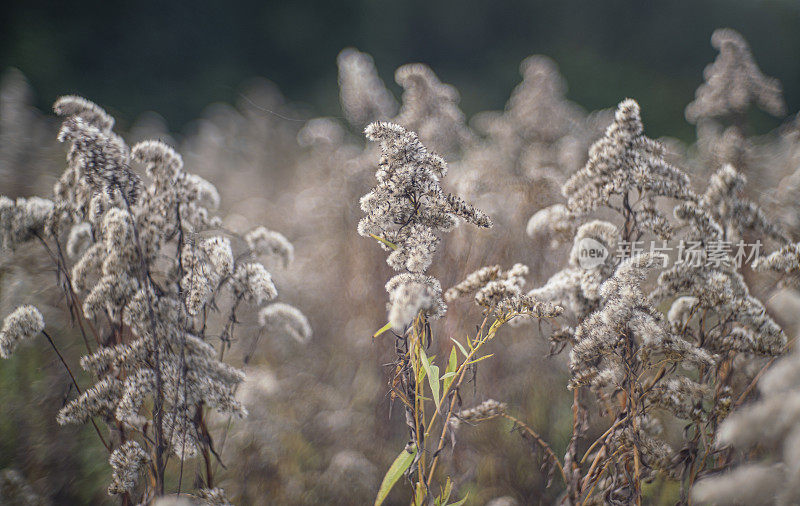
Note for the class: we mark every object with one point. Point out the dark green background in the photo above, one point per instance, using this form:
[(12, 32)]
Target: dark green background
[(177, 57)]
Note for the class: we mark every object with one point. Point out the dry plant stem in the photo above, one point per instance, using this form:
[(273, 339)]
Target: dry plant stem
[(590, 476), (158, 414), (61, 358), (480, 339), (456, 385), (541, 442), (631, 415), (77, 388), (595, 481), (75, 301), (573, 483), (419, 400), (760, 373), (601, 439), (206, 455)]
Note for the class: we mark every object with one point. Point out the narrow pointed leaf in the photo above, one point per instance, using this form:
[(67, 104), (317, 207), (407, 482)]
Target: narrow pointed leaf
[(382, 330), (459, 503), (398, 467), (450, 372), (384, 241), (433, 376), (479, 359), (460, 347)]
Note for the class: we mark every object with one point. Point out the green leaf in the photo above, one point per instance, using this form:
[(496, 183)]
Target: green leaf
[(450, 372), (462, 501), (384, 241), (452, 362), (460, 347), (419, 496), (398, 467), (382, 330), (433, 376), (448, 489), (479, 359), (420, 373)]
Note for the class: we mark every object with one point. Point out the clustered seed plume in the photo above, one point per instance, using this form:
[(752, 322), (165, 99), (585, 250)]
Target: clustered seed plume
[(490, 285), (150, 266), (406, 212), (623, 345), (537, 106), (494, 288), (771, 423), (411, 293), (626, 313), (126, 461), (270, 243), (708, 280), (624, 161), (555, 221), (22, 220), (733, 82), (280, 317), (483, 411), (363, 95), (22, 324), (784, 261), (577, 286), (732, 211), (430, 108)]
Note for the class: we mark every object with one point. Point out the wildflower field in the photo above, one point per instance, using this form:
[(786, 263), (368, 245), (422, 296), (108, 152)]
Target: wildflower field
[(401, 304)]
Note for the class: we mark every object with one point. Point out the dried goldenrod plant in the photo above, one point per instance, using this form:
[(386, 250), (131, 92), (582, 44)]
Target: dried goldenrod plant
[(155, 287), (628, 359), (405, 213)]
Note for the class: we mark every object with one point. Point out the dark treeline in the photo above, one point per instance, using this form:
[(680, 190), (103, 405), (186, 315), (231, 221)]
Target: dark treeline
[(177, 57)]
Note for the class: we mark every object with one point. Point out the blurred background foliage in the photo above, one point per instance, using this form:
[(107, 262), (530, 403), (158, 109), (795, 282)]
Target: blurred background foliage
[(178, 57)]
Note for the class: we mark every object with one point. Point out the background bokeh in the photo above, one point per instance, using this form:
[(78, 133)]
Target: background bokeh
[(177, 57), (234, 85)]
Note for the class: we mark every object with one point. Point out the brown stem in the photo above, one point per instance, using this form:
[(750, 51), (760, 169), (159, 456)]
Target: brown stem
[(74, 300), (541, 442), (75, 383), (158, 403), (454, 388)]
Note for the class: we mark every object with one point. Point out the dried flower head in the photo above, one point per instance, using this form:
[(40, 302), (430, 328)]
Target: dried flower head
[(22, 220), (494, 288), (483, 411), (733, 82), (21, 325), (126, 461), (270, 243), (406, 212), (363, 95), (430, 108), (280, 317), (411, 293), (151, 269), (624, 161)]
